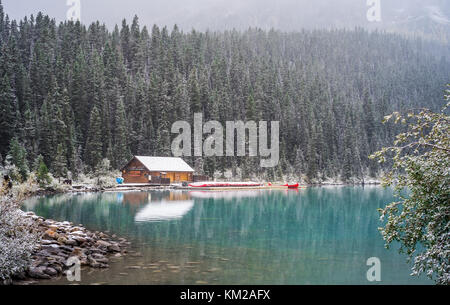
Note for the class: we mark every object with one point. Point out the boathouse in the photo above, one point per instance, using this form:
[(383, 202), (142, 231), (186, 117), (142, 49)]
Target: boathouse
[(153, 170)]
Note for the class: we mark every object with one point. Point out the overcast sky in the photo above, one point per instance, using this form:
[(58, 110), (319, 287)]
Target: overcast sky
[(224, 14)]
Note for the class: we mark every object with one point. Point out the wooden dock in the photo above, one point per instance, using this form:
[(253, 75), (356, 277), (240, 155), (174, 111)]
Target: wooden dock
[(237, 188), (138, 185)]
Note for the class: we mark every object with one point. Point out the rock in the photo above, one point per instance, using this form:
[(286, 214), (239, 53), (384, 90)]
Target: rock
[(58, 268), (102, 235), (78, 233), (93, 263), (77, 251), (20, 276), (97, 250), (62, 240), (113, 248), (103, 244), (53, 228), (99, 258), (76, 229), (51, 271), (79, 239), (66, 249), (49, 222), (49, 234), (52, 249), (38, 273), (71, 242), (48, 242)]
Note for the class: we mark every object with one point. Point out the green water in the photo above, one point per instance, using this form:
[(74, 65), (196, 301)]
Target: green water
[(310, 236)]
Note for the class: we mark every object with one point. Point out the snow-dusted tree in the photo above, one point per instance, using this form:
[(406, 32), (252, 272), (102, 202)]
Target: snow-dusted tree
[(42, 176), (18, 238), (104, 176), (420, 220), (18, 157)]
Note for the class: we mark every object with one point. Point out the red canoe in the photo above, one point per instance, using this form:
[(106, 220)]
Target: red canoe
[(293, 186)]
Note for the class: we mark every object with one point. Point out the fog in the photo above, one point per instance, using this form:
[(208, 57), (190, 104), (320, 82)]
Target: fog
[(240, 14)]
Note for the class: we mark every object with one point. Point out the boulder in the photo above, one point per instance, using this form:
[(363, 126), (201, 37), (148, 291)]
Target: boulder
[(51, 271), (78, 233), (62, 240), (49, 234), (71, 242), (48, 242), (38, 273), (78, 239), (52, 249), (113, 248), (53, 228), (66, 249), (103, 244)]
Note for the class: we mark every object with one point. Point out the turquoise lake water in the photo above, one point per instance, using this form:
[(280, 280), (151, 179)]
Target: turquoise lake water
[(310, 236)]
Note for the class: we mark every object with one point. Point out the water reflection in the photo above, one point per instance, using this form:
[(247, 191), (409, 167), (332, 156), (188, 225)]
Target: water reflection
[(230, 195), (314, 236), (164, 210)]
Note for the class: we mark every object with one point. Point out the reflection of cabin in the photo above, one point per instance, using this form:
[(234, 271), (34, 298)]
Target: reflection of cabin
[(136, 198), (152, 169)]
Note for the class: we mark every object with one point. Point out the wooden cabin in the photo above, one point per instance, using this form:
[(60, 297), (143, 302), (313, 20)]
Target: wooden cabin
[(145, 169)]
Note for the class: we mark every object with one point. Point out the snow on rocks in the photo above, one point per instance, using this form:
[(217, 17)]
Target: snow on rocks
[(62, 240)]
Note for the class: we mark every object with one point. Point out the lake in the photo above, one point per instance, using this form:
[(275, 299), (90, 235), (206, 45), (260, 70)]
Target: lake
[(308, 236)]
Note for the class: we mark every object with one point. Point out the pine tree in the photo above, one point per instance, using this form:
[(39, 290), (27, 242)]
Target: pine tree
[(8, 112), (42, 175), (59, 166), (18, 155), (94, 144), (121, 151), (46, 131)]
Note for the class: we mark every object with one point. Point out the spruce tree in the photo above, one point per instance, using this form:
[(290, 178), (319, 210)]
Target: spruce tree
[(42, 175), (18, 157), (121, 151), (94, 144), (59, 166), (8, 111)]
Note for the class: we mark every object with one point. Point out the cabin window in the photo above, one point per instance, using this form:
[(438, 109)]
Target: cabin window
[(134, 173)]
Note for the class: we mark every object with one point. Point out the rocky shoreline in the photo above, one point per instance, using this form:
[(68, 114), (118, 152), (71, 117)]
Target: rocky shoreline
[(63, 240)]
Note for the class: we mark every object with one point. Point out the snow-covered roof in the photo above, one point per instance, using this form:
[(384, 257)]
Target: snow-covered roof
[(163, 164)]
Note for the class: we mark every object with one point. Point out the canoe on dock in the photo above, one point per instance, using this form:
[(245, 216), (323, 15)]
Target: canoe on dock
[(289, 186), (225, 184), (293, 186)]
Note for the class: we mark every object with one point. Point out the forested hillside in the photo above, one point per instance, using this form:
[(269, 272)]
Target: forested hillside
[(76, 94)]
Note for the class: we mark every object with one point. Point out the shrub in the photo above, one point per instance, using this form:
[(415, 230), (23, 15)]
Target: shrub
[(18, 238)]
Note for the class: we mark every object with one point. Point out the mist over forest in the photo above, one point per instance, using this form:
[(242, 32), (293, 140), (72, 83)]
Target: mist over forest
[(409, 16)]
